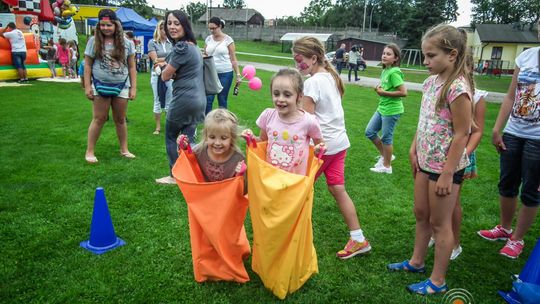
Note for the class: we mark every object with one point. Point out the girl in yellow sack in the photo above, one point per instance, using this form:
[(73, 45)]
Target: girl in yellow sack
[(281, 173)]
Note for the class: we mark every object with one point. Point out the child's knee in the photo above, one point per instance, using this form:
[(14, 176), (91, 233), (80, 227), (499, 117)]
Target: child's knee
[(387, 140), (336, 190), (370, 134), (421, 214)]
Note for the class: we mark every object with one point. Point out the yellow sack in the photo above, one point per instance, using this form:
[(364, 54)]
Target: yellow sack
[(280, 205)]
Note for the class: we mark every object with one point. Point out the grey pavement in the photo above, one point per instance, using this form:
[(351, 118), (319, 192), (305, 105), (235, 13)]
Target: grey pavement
[(493, 97)]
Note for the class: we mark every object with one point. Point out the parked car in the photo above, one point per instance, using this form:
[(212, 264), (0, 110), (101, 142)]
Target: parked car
[(330, 56)]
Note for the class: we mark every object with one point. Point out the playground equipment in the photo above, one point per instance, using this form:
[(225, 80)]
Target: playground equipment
[(36, 20)]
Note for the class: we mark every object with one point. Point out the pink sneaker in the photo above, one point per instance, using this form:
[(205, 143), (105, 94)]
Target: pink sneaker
[(495, 234), (512, 249), (353, 248)]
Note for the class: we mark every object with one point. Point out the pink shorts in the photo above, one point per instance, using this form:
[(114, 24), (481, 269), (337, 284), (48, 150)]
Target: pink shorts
[(333, 168)]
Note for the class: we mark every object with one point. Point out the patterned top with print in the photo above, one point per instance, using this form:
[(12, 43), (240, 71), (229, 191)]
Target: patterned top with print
[(524, 120), (435, 130), (288, 142)]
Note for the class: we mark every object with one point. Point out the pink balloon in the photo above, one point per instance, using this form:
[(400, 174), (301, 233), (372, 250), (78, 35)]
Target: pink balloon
[(255, 83), (248, 71)]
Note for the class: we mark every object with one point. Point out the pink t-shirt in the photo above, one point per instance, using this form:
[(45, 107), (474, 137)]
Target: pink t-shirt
[(62, 54), (288, 142), (435, 130)]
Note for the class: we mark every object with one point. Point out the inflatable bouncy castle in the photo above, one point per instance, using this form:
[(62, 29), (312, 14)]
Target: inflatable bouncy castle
[(35, 18)]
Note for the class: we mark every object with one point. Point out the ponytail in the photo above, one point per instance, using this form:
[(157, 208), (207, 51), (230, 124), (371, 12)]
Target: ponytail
[(329, 67)]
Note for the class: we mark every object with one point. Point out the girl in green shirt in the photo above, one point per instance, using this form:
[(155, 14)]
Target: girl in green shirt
[(391, 90)]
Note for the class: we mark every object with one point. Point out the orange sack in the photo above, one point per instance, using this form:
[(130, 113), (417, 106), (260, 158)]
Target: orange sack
[(216, 213)]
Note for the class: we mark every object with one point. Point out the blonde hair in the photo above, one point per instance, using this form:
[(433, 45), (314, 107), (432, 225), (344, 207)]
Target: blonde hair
[(221, 119), (157, 32), (294, 76), (311, 46), (397, 52), (448, 38)]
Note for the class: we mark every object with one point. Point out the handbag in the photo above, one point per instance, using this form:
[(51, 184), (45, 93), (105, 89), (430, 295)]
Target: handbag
[(107, 89), (212, 85)]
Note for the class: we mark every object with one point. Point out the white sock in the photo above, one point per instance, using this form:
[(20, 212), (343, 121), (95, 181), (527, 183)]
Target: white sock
[(357, 235)]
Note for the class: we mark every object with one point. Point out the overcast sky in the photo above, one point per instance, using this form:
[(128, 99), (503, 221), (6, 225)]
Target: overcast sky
[(278, 8)]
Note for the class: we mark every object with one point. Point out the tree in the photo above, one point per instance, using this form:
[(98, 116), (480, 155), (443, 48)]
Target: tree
[(139, 6), (314, 12), (289, 21), (195, 10), (505, 12), (422, 18), (234, 4), (392, 15)]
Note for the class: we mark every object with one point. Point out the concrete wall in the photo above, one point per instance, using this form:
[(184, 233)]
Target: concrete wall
[(273, 34)]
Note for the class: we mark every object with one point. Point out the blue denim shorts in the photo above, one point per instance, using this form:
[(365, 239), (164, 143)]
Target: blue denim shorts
[(520, 165), (384, 123), (18, 59)]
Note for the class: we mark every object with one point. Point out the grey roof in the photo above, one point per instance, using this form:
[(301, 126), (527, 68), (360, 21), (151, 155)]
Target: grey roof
[(506, 33), (231, 14), (294, 36)]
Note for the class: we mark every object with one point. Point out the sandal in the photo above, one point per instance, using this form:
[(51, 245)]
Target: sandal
[(405, 266), (91, 159), (156, 132), (426, 288), (127, 155)]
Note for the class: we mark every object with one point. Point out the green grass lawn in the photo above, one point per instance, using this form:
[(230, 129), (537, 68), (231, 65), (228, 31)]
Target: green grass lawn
[(46, 202)]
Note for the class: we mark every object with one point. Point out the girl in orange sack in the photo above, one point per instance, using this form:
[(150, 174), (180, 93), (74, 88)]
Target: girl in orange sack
[(209, 179)]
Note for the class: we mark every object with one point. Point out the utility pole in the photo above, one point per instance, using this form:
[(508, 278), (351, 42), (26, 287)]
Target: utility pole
[(364, 23), (207, 13)]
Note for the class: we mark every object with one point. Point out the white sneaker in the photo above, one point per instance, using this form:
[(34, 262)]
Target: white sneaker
[(456, 252), (167, 180), (380, 160), (431, 242), (381, 169)]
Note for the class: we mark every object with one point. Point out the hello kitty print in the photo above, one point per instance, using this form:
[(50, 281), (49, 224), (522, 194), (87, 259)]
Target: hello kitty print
[(288, 142)]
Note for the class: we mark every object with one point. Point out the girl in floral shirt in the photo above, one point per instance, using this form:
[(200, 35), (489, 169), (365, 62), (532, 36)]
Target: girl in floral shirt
[(438, 155)]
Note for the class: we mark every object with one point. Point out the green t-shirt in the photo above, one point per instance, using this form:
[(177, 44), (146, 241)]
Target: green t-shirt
[(391, 79)]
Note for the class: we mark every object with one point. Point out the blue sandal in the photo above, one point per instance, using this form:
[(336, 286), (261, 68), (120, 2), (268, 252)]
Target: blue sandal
[(426, 288), (405, 266)]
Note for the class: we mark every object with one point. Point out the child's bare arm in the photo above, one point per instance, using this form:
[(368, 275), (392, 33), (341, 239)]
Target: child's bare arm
[(320, 146), (249, 133), (461, 121), (400, 92), (478, 128), (414, 158)]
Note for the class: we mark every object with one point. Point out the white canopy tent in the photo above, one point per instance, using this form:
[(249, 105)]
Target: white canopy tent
[(291, 37)]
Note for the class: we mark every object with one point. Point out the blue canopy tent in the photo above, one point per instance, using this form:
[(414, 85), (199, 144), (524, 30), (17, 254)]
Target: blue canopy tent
[(131, 21)]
